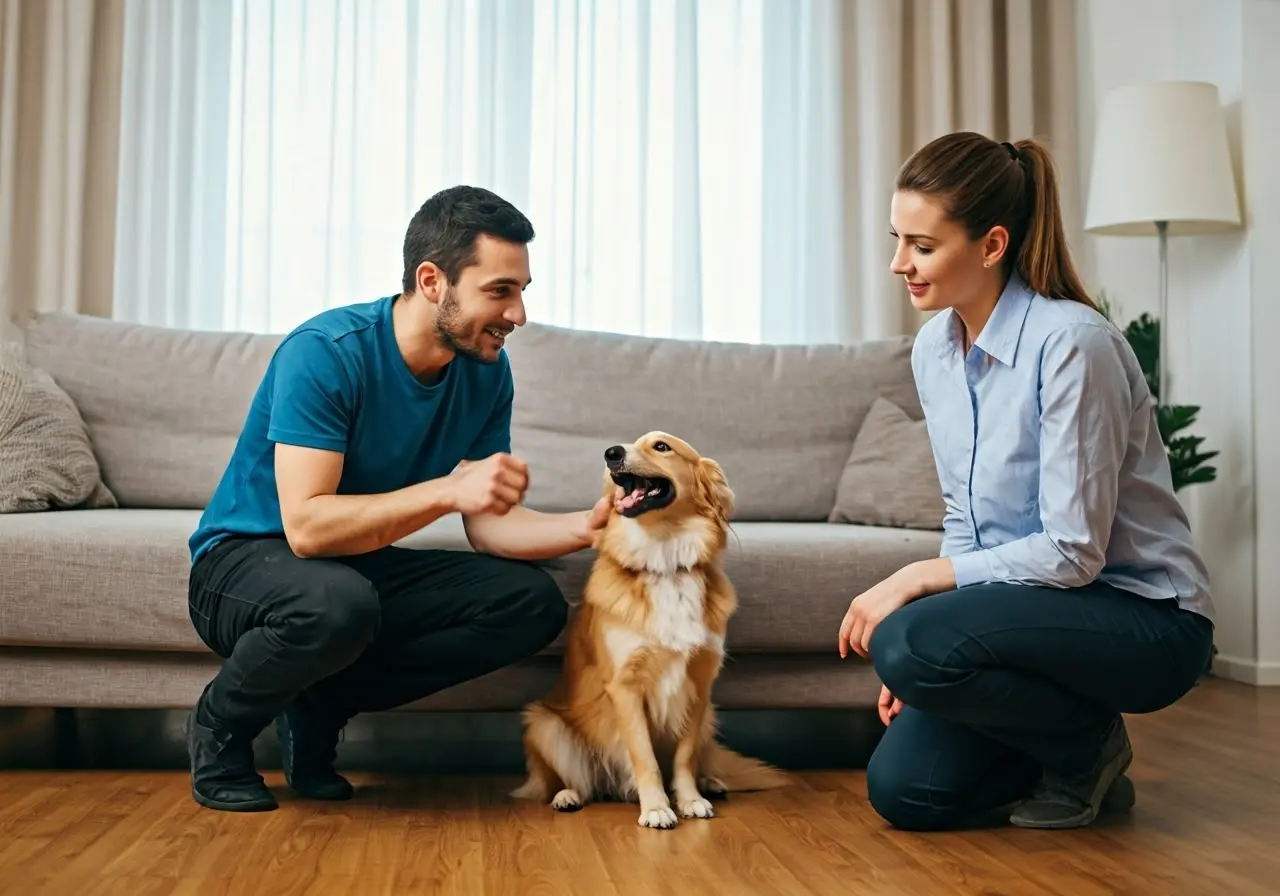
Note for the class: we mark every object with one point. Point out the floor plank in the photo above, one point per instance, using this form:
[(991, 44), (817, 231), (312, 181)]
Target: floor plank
[(1206, 822)]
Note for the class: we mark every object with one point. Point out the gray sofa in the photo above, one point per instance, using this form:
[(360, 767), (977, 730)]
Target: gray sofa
[(92, 601)]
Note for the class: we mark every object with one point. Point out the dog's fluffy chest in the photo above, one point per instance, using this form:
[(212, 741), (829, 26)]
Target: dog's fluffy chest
[(675, 619), (676, 624)]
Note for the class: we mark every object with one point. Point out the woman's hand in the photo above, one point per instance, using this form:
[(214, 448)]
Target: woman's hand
[(889, 705), (870, 607)]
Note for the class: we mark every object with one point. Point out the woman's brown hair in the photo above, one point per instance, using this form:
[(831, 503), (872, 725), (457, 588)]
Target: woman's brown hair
[(982, 184)]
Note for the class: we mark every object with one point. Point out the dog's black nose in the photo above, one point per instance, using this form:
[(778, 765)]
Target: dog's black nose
[(614, 455)]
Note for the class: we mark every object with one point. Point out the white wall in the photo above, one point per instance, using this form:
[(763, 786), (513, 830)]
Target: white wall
[(1261, 129), (1224, 326)]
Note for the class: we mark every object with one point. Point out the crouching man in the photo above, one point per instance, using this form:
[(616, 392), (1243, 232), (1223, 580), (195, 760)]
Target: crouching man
[(372, 421)]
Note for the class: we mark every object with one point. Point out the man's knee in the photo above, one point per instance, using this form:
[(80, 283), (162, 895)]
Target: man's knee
[(548, 603), (340, 612), (535, 603)]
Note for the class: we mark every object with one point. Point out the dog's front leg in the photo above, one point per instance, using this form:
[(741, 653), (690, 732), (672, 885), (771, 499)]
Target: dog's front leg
[(655, 807), (696, 734)]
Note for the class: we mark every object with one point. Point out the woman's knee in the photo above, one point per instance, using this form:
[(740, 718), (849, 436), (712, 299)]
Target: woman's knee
[(895, 657), (900, 796)]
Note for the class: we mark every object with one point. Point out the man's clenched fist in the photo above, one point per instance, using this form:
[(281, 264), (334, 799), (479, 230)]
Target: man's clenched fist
[(493, 485)]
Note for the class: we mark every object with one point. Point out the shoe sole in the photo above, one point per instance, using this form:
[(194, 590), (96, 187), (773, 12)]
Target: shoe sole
[(260, 805)]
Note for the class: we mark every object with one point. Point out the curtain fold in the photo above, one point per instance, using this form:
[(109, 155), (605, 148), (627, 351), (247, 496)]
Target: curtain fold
[(60, 66)]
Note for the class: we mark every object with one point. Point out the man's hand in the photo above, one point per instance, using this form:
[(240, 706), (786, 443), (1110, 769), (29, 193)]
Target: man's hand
[(889, 705), (870, 607), (597, 518), (493, 485)]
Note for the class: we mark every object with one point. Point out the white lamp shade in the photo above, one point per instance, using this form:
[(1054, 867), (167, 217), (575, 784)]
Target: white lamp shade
[(1161, 154)]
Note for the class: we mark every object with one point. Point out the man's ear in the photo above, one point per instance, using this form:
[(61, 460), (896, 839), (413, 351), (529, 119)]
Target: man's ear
[(430, 281), (714, 489)]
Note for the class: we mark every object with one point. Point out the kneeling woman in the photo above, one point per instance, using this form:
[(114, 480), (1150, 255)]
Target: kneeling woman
[(1068, 590)]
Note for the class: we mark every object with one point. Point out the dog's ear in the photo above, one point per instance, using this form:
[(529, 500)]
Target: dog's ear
[(714, 489)]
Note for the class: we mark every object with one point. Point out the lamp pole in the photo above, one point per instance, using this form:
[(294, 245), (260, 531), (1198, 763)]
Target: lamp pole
[(1162, 368)]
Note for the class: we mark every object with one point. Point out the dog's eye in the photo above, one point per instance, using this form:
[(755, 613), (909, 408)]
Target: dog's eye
[(661, 446)]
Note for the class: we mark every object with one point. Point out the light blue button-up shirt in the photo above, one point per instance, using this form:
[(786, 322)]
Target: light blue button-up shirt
[(1048, 453)]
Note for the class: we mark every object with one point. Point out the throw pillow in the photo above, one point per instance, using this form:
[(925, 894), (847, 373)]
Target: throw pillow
[(46, 459), (890, 478)]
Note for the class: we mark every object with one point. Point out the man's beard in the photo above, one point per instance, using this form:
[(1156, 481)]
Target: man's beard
[(452, 327)]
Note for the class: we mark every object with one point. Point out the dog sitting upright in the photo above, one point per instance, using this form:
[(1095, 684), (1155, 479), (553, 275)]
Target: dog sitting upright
[(632, 708)]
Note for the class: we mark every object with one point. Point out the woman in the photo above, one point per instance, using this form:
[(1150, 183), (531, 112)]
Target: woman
[(1068, 590)]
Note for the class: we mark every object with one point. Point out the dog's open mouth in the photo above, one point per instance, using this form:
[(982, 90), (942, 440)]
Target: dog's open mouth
[(643, 493)]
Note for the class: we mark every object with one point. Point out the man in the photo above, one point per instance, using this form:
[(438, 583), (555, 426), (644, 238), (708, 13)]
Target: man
[(372, 421)]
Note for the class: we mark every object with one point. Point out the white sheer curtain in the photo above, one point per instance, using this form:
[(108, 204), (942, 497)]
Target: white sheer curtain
[(715, 169), (680, 159)]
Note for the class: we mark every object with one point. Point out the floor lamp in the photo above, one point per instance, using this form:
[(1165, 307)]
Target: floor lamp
[(1162, 166)]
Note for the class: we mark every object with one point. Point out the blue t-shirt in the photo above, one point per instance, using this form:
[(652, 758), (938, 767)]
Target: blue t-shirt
[(339, 382)]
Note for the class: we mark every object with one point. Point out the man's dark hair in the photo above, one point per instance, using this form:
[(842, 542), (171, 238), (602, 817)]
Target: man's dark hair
[(444, 230)]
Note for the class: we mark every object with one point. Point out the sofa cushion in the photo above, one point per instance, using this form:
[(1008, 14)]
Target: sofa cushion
[(164, 407), (891, 478), (118, 578), (46, 459), (779, 419)]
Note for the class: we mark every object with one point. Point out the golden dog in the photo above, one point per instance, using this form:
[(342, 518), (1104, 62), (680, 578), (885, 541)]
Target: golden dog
[(632, 708)]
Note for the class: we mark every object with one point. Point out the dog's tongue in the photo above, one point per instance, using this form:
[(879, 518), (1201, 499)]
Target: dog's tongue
[(631, 500)]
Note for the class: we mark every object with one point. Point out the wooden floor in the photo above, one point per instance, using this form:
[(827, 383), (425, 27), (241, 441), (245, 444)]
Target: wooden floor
[(1207, 822)]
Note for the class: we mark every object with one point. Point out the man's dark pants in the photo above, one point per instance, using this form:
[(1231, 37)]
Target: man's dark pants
[(322, 639)]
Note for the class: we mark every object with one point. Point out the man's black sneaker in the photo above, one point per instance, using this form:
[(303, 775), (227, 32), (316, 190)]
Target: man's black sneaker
[(1060, 802), (222, 772), (308, 749)]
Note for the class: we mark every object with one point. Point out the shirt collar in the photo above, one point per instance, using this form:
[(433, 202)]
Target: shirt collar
[(1003, 332)]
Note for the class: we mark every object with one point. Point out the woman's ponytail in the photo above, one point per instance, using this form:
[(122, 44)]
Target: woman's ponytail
[(1044, 258)]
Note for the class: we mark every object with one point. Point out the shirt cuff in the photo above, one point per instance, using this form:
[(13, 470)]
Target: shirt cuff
[(972, 568)]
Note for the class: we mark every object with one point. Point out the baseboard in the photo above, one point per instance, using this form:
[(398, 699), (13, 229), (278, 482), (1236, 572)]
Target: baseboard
[(1248, 671)]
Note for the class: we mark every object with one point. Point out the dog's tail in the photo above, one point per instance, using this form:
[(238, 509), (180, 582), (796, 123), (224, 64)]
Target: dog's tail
[(737, 772)]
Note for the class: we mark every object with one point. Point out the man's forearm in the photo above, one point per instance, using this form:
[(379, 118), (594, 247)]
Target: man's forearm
[(343, 525), (524, 534)]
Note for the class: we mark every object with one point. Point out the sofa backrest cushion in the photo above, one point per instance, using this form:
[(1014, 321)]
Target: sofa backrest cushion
[(164, 407), (780, 420)]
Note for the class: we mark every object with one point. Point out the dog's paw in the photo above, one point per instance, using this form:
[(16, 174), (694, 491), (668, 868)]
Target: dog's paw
[(712, 787), (567, 801), (661, 817), (696, 808)]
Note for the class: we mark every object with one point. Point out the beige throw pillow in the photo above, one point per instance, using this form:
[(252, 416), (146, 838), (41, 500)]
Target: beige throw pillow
[(46, 459), (890, 478)]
